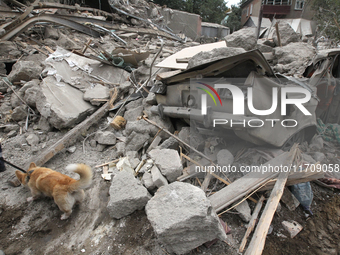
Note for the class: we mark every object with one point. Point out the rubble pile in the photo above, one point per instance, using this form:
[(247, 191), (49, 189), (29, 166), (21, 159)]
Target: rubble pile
[(102, 78)]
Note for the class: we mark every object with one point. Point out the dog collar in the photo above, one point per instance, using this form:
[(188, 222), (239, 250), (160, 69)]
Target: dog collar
[(28, 177)]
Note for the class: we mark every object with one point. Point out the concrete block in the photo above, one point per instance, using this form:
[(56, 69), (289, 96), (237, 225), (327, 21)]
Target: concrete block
[(183, 218), (245, 38), (168, 162), (244, 211), (25, 70), (32, 139), (170, 143), (127, 195), (105, 137), (154, 144), (293, 228), (225, 158), (133, 114), (147, 181), (98, 92), (136, 141), (289, 200), (51, 33), (158, 179)]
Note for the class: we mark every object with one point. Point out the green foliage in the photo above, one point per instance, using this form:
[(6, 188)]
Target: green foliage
[(233, 21), (210, 10), (327, 17)]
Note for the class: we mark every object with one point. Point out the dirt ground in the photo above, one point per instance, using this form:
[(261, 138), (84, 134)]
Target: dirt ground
[(35, 227)]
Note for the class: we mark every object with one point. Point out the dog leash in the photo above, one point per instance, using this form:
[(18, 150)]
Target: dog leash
[(9, 163), (2, 166)]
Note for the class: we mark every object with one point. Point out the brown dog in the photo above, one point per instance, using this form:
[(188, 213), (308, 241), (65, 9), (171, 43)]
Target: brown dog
[(65, 190)]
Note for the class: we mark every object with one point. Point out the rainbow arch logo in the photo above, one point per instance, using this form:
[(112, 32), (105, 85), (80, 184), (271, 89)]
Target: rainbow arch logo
[(209, 93)]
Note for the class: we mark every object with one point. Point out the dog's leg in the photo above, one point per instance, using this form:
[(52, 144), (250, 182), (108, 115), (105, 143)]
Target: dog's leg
[(79, 196), (65, 203), (35, 194)]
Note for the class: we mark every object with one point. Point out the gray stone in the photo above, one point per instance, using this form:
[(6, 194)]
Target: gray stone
[(316, 143), (136, 141), (154, 143), (98, 92), (134, 104), (244, 211), (9, 49), (170, 143), (30, 84), (244, 38), (294, 52), (168, 162), (134, 162), (72, 149), (25, 70), (127, 195), (120, 146), (147, 181), (287, 34), (51, 33), (133, 114), (293, 228), (62, 105), (32, 139), (44, 125), (183, 218), (19, 113), (151, 99), (125, 86), (263, 47), (12, 133), (15, 100), (208, 56), (225, 158), (308, 158), (105, 137), (31, 96), (66, 43), (140, 126), (192, 137), (318, 156), (158, 179), (131, 154)]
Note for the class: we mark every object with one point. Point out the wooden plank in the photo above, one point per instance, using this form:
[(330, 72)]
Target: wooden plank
[(246, 184), (252, 223), (166, 75), (259, 238)]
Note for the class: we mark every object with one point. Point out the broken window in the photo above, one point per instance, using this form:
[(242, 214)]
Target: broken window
[(299, 5)]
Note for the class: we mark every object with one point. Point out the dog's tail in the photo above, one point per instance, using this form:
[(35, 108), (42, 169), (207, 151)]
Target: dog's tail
[(85, 173)]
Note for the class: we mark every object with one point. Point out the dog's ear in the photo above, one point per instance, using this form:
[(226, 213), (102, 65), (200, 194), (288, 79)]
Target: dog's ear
[(21, 176), (32, 165)]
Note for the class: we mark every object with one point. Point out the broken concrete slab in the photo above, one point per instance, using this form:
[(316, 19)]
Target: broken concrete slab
[(127, 195), (62, 105), (154, 144), (183, 218), (287, 34), (213, 55), (289, 200), (25, 70), (294, 52), (51, 33), (98, 92), (192, 137), (245, 38), (293, 228), (19, 113), (168, 162), (170, 143), (316, 143), (32, 139), (158, 179), (105, 137), (147, 181), (151, 99), (133, 114), (135, 141), (124, 165)]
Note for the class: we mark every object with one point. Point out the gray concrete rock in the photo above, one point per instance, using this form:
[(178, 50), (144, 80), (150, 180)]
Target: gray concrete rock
[(147, 181), (183, 218), (263, 47), (51, 33), (318, 156), (151, 99), (32, 139), (98, 92), (125, 86), (133, 114), (168, 162), (158, 179), (105, 137), (140, 126), (208, 56), (62, 105), (244, 38), (134, 104), (287, 34), (31, 96), (66, 43), (136, 141), (44, 125), (134, 162), (19, 113), (225, 158), (9, 49), (192, 137), (293, 53), (25, 70), (127, 195), (244, 211), (15, 100), (131, 154), (120, 146), (170, 143)]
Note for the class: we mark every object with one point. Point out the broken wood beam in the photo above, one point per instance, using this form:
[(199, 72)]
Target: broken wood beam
[(278, 34), (259, 238), (251, 224)]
